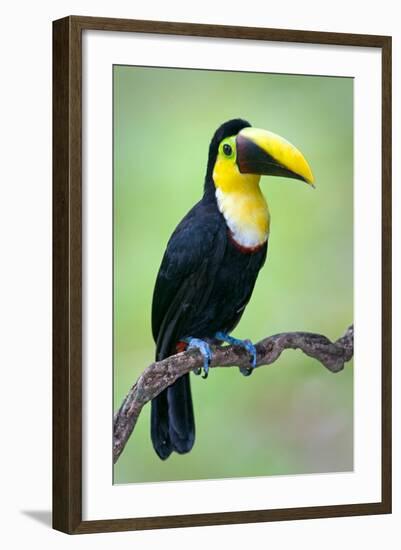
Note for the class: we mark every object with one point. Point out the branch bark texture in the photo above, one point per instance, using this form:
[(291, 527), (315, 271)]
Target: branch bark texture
[(159, 375)]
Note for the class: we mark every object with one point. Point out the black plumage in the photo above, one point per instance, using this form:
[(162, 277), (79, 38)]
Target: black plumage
[(203, 286)]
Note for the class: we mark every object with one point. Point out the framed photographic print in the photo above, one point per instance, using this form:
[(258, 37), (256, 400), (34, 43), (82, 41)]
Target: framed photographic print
[(222, 208)]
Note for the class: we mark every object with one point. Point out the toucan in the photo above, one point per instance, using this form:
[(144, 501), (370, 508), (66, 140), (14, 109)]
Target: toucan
[(211, 263)]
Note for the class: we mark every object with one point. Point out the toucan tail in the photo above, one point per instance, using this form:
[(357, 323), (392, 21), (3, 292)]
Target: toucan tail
[(172, 425)]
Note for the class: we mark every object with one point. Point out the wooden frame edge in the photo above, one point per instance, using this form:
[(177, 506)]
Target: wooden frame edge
[(229, 518), (227, 31), (67, 274), (67, 277), (386, 272)]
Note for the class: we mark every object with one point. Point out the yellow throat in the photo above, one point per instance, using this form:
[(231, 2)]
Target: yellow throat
[(242, 204)]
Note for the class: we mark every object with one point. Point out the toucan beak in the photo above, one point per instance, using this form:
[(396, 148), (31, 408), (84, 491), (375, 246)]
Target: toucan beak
[(262, 152)]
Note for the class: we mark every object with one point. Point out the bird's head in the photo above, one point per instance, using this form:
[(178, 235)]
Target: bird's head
[(240, 154)]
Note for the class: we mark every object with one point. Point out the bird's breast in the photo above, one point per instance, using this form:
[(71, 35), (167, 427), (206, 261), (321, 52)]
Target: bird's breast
[(246, 215)]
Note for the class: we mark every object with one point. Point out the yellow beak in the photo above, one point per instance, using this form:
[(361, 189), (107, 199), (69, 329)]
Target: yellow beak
[(263, 152)]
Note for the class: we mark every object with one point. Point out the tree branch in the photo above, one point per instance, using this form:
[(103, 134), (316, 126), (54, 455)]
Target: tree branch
[(159, 375)]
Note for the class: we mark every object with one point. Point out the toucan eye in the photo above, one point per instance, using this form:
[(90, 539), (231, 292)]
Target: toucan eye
[(227, 150)]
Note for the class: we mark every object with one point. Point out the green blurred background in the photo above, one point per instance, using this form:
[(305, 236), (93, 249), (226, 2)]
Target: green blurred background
[(292, 417)]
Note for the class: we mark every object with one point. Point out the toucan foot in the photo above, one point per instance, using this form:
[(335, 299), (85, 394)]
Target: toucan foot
[(206, 352), (247, 344)]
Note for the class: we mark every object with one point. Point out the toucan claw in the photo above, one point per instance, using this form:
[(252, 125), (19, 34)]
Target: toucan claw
[(247, 344), (204, 348)]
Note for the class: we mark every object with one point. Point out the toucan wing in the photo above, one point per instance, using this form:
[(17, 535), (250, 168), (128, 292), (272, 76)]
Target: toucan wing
[(186, 275)]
